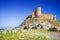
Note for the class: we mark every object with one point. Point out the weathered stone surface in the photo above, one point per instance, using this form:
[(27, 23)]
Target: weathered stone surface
[(46, 25)]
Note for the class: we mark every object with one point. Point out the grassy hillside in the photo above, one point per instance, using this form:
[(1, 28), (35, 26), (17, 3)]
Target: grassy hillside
[(32, 34), (24, 36)]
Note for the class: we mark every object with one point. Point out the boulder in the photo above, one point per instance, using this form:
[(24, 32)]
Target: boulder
[(39, 26), (53, 29)]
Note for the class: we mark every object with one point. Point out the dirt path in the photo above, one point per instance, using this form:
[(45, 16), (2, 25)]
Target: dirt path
[(55, 36), (52, 35)]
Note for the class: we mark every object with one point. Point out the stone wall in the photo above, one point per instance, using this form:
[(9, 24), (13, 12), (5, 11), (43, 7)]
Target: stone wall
[(47, 16)]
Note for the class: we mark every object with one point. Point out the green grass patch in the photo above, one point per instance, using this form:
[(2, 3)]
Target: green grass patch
[(22, 36)]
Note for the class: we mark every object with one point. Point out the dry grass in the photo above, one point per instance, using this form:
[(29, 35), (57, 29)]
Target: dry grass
[(23, 36)]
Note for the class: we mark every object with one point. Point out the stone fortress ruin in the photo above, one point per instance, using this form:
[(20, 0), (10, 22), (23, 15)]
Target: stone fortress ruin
[(39, 15)]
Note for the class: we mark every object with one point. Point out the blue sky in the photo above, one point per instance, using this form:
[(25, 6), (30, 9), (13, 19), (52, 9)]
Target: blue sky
[(14, 12)]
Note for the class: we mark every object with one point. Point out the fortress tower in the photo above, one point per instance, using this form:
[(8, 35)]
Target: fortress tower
[(33, 14), (38, 12), (54, 18)]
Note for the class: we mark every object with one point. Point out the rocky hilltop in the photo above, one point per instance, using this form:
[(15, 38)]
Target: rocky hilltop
[(39, 20)]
